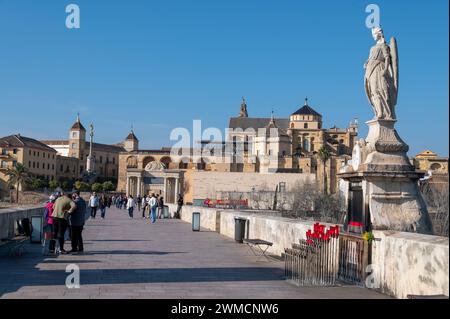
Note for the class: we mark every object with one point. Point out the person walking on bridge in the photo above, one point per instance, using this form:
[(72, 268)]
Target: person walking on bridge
[(130, 206)]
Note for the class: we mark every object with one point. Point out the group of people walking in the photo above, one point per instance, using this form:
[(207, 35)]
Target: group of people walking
[(66, 212), (152, 206), (99, 202)]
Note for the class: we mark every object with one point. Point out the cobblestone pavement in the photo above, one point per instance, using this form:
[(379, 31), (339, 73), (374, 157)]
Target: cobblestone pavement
[(133, 259)]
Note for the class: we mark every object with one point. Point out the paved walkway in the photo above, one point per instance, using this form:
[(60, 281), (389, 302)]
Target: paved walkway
[(132, 259)]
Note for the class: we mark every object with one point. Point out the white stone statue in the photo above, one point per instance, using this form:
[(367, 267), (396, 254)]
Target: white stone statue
[(381, 76)]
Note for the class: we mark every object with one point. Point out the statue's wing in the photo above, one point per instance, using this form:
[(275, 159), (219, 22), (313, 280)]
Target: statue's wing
[(394, 59)]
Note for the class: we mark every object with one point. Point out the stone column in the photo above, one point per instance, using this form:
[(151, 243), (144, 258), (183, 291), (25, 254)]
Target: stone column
[(139, 186), (177, 188), (165, 189), (128, 186)]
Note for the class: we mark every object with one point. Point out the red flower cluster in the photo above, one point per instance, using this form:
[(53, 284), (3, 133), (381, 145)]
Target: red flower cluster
[(321, 233)]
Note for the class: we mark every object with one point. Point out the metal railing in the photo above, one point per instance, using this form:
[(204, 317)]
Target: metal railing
[(312, 262), (354, 253)]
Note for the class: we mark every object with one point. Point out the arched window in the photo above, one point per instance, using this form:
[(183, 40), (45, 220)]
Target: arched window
[(312, 144), (306, 145)]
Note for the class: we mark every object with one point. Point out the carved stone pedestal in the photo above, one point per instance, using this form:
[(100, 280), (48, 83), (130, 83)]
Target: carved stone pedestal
[(385, 150), (389, 183)]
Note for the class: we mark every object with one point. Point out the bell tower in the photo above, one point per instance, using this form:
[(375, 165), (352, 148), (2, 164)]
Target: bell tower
[(77, 139)]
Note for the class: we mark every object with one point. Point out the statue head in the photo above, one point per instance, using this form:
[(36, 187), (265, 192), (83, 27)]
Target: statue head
[(377, 33)]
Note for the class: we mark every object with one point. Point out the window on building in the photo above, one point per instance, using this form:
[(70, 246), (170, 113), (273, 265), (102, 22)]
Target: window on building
[(37, 165), (34, 165), (312, 145), (38, 154), (74, 146), (305, 125), (4, 151), (61, 168), (34, 153), (4, 164), (53, 166), (282, 187), (114, 160), (29, 164), (29, 152), (101, 159), (306, 145), (48, 166), (320, 126), (15, 151)]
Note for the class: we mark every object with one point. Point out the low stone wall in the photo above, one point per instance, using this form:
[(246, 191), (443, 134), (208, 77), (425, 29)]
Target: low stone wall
[(407, 263), (411, 263), (9, 216)]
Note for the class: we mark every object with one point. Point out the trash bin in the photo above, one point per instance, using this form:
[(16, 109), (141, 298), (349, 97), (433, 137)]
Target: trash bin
[(36, 229), (239, 229), (166, 213), (195, 221)]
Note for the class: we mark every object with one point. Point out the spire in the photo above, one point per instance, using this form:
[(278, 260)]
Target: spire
[(77, 125), (243, 112), (306, 101)]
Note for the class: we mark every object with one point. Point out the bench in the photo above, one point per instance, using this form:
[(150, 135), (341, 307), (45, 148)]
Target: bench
[(256, 247)]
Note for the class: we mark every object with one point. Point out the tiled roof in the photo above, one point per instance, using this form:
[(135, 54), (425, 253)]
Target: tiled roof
[(255, 123), (22, 141), (306, 110), (132, 137)]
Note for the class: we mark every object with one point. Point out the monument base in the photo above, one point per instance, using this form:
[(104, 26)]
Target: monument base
[(384, 149), (392, 199)]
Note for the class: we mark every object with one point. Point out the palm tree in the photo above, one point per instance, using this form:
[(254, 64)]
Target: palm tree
[(324, 155), (18, 176)]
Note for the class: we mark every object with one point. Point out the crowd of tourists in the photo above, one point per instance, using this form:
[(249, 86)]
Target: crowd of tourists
[(66, 214)]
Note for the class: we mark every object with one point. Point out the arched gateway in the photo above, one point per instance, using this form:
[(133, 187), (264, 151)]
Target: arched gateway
[(155, 178)]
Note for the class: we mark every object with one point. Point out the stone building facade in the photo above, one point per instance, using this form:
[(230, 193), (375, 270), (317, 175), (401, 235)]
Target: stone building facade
[(73, 154), (38, 158)]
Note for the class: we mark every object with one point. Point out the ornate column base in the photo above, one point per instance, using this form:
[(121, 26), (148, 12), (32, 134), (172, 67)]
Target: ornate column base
[(384, 150)]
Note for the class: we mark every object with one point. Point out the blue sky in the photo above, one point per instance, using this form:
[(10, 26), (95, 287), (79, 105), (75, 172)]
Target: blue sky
[(160, 64)]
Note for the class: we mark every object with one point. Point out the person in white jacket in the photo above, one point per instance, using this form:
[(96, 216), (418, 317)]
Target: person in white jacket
[(153, 204), (130, 206)]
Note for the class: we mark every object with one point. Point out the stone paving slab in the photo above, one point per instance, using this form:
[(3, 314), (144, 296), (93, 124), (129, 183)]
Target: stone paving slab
[(127, 259)]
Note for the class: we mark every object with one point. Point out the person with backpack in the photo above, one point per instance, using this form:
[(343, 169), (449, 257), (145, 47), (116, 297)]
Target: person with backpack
[(49, 223)]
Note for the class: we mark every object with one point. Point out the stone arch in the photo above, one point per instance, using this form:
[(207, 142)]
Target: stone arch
[(147, 160), (132, 162), (183, 163), (435, 166), (166, 160)]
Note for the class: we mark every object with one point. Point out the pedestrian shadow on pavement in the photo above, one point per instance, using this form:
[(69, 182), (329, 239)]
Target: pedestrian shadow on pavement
[(36, 277), (131, 252)]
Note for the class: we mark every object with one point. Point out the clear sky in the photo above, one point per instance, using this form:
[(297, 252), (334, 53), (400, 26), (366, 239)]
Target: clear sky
[(160, 64)]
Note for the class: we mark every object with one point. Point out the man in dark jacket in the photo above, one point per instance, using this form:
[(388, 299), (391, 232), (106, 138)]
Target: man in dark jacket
[(77, 219)]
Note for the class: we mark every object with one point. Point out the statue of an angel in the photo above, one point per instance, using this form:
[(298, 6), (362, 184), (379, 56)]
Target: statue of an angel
[(381, 78)]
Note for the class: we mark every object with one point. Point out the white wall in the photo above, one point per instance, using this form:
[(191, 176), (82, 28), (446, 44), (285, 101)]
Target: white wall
[(407, 263)]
